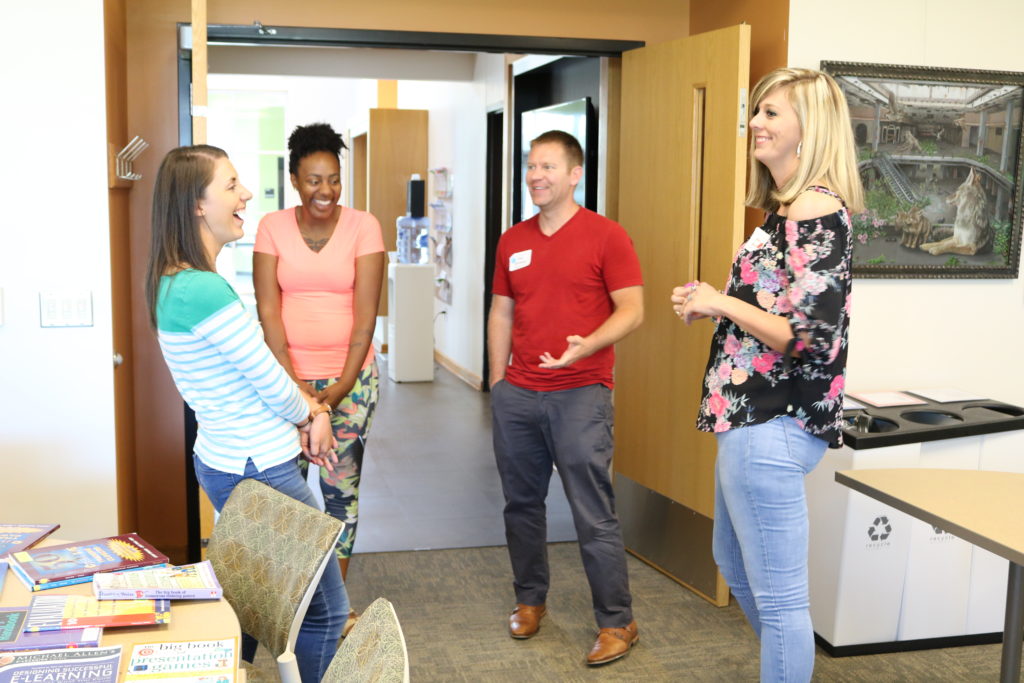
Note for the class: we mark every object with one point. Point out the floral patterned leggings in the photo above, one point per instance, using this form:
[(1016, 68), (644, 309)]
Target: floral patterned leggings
[(351, 422)]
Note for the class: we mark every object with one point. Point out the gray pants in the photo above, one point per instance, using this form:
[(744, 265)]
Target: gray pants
[(573, 430)]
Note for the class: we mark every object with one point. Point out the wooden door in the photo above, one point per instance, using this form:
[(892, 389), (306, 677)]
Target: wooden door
[(681, 184), (396, 148)]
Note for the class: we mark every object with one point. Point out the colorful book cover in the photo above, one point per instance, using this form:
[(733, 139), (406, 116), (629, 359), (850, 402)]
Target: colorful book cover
[(209, 661), (14, 639), (41, 566), (55, 612), (15, 537), (187, 582), (3, 574), (93, 664)]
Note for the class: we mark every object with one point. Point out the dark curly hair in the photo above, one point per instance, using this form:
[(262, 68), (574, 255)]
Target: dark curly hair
[(316, 137)]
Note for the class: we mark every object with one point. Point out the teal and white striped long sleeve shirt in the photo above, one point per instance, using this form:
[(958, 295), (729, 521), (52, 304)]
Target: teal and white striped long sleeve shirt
[(245, 403)]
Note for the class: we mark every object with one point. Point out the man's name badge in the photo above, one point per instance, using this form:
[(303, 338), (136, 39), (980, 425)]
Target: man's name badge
[(758, 239), (520, 259)]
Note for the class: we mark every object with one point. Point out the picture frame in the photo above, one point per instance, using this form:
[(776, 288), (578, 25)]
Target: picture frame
[(939, 151)]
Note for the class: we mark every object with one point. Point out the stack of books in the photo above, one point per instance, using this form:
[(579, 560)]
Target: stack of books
[(133, 585), (72, 563)]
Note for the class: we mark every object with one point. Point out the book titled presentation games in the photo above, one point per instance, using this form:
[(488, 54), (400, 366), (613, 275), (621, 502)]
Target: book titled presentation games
[(63, 565), (202, 661), (187, 582), (15, 537)]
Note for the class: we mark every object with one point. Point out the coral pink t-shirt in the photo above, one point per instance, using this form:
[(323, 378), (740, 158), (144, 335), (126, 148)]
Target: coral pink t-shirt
[(317, 288)]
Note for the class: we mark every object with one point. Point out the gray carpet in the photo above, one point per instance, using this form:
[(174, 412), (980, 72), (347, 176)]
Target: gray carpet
[(453, 606)]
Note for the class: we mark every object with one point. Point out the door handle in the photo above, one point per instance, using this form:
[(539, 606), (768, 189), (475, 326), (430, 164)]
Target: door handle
[(118, 359)]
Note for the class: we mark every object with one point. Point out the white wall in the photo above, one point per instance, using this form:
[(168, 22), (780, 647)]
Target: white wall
[(56, 385), (306, 99), (457, 135), (925, 333)]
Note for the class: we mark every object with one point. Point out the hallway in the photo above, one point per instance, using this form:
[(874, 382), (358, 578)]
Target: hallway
[(429, 479)]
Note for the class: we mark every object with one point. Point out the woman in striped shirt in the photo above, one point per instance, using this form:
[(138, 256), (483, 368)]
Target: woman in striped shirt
[(253, 420)]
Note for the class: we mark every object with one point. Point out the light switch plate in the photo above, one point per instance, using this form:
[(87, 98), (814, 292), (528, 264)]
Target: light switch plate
[(65, 308)]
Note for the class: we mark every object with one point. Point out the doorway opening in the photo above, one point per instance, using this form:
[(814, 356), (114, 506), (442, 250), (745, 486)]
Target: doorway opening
[(483, 174)]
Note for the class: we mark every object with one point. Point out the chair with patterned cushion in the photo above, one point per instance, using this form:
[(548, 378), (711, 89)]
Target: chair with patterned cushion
[(269, 552), (373, 651)]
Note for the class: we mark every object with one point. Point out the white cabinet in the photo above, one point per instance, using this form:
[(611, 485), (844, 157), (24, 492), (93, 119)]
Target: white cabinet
[(411, 322)]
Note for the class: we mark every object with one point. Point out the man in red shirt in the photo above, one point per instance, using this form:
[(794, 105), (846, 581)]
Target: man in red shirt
[(567, 286)]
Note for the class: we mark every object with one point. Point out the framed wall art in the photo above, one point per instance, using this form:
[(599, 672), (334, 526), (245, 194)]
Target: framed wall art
[(939, 152)]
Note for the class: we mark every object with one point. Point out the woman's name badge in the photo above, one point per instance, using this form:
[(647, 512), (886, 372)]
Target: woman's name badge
[(520, 259), (757, 240)]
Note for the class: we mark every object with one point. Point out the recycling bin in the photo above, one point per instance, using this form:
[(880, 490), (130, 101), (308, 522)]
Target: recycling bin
[(881, 580)]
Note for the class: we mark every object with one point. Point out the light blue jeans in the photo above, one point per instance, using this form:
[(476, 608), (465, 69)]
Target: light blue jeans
[(760, 538), (328, 610)]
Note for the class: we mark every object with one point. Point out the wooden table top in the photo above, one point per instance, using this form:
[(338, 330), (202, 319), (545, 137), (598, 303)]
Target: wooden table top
[(983, 508), (190, 619)]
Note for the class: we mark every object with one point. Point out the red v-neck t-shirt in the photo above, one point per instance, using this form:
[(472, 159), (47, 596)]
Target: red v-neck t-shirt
[(560, 286), (318, 288)]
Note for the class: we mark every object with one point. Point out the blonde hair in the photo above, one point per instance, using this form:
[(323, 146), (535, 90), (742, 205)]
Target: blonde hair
[(827, 152)]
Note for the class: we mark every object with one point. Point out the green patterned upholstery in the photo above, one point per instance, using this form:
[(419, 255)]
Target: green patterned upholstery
[(374, 650), (266, 549)]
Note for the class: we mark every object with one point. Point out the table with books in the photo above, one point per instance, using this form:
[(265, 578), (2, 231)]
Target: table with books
[(211, 622)]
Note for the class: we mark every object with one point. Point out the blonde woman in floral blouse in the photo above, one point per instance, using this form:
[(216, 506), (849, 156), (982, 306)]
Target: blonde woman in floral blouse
[(773, 389)]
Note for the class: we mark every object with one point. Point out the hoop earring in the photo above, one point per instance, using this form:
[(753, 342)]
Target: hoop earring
[(799, 146)]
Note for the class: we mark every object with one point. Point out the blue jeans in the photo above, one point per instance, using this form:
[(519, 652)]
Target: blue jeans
[(318, 636), (760, 538)]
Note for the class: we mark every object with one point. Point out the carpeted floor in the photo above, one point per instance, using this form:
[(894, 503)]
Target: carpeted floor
[(453, 606)]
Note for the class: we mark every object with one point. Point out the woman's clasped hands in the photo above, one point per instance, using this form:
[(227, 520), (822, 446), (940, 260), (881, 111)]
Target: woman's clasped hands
[(316, 438), (695, 300)]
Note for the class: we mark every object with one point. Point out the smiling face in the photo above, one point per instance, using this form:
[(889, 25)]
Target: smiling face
[(549, 177), (776, 131), (318, 182), (222, 202)]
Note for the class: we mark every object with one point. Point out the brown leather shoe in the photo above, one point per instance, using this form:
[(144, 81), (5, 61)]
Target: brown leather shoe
[(524, 622), (612, 644)]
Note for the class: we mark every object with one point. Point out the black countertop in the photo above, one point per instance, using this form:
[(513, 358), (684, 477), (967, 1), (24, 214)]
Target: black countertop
[(929, 421)]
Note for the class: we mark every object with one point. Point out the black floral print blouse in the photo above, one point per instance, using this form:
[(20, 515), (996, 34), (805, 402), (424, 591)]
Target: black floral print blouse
[(800, 270)]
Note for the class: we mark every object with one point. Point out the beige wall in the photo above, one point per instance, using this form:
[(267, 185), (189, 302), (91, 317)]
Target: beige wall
[(925, 333)]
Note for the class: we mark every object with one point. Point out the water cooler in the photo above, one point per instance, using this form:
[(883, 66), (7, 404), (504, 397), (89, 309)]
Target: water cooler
[(411, 295)]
